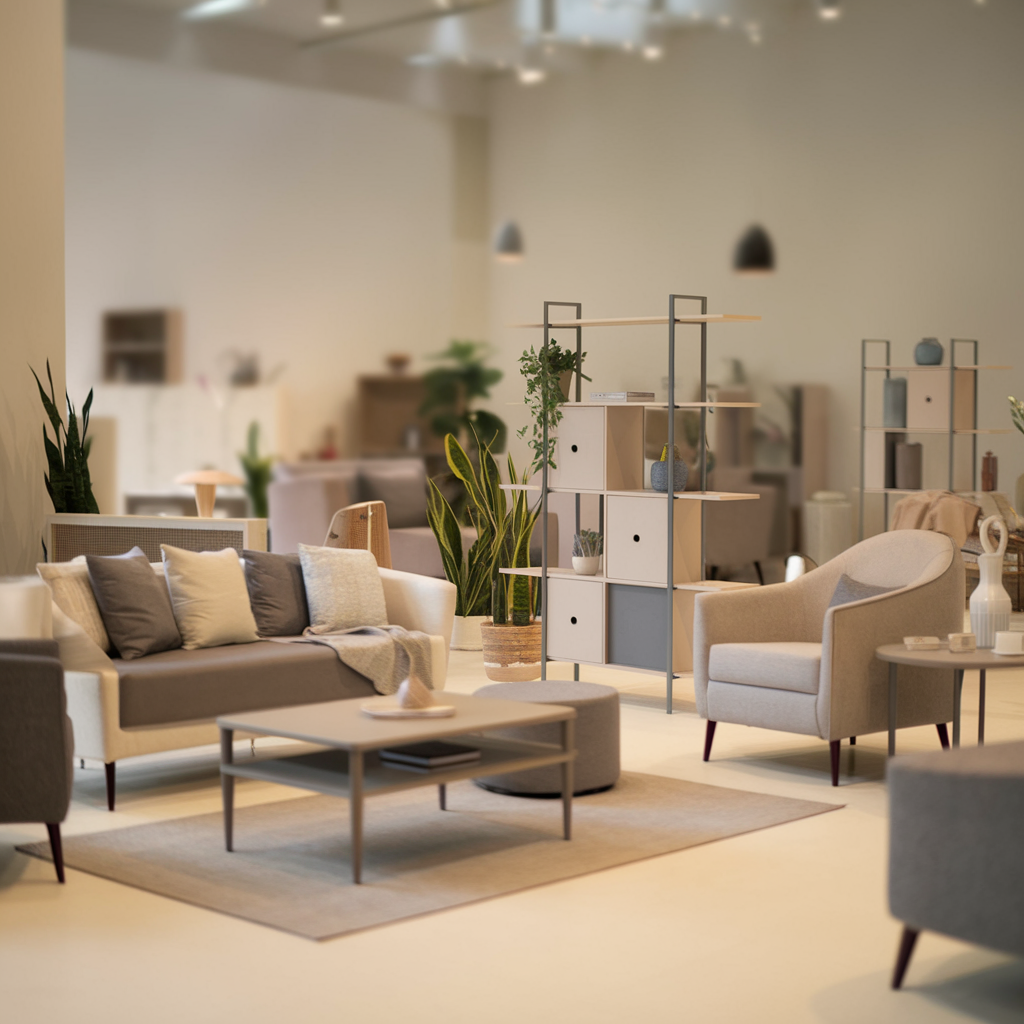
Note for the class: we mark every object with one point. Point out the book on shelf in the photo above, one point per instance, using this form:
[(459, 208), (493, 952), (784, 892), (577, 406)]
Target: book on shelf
[(622, 396), (432, 754)]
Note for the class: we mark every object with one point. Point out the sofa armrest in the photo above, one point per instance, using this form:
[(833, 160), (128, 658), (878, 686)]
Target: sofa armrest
[(419, 602)]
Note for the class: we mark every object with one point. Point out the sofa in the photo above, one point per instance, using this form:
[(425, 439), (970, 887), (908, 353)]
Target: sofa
[(305, 495), (170, 700)]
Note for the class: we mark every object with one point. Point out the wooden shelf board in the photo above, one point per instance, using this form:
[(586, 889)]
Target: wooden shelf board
[(933, 430), (519, 487), (647, 493), (700, 585), (646, 321), (970, 366), (893, 490), (656, 405)]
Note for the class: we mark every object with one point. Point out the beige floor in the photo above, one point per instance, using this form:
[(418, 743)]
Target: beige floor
[(789, 924)]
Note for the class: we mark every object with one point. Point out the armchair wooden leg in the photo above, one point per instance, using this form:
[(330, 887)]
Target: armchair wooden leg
[(943, 735), (760, 574), (907, 941), (57, 850), (853, 741), (709, 738), (110, 768), (833, 749)]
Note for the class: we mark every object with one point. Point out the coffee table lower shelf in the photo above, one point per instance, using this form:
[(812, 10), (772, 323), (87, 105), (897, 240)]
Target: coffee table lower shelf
[(355, 775)]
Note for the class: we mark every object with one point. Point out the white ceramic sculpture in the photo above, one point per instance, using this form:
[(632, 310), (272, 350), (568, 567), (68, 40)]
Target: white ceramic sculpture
[(990, 603), (414, 694)]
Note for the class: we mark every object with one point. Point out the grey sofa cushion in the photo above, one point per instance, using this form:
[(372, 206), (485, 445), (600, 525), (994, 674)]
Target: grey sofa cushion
[(135, 604), (276, 593), (181, 686), (401, 485), (848, 589)]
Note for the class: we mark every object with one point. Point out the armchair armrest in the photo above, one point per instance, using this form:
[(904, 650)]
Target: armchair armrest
[(419, 602)]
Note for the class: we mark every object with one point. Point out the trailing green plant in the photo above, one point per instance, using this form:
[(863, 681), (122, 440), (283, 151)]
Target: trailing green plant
[(257, 470), (67, 458), (503, 526), (544, 396), (1017, 413), (587, 544), (451, 389)]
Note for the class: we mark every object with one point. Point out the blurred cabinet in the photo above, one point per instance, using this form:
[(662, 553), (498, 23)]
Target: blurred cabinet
[(142, 346), (389, 420)]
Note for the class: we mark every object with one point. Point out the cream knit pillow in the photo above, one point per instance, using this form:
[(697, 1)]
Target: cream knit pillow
[(209, 596), (72, 594), (343, 589)]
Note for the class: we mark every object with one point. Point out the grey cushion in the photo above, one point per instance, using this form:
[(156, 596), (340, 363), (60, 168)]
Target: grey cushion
[(785, 665), (276, 593), (401, 485), (135, 604), (848, 589), (597, 736), (181, 686), (956, 835)]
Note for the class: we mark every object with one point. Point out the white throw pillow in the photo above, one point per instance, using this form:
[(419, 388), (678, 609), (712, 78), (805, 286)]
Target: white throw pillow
[(209, 597), (72, 594), (343, 589)]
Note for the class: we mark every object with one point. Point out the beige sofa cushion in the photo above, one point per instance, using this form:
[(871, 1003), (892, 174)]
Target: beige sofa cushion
[(72, 594), (209, 596), (778, 666)]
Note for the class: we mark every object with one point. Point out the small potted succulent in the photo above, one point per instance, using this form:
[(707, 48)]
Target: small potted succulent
[(587, 547), (659, 471)]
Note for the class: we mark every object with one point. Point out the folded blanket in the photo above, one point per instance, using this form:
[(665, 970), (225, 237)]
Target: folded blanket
[(942, 511), (384, 654)]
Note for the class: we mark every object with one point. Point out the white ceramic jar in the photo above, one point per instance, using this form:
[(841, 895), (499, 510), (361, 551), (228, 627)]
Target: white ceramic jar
[(990, 603)]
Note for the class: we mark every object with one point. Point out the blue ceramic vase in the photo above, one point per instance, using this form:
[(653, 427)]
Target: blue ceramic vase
[(928, 352), (659, 475)]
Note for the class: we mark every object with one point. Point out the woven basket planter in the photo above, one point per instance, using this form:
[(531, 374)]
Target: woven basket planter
[(511, 653)]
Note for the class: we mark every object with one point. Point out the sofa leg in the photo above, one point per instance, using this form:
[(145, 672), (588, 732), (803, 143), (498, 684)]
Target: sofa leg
[(853, 741), (833, 749), (907, 941), (943, 735), (709, 738), (760, 574), (57, 850), (110, 769)]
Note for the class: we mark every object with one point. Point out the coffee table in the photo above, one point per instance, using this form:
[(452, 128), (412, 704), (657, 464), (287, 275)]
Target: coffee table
[(980, 660), (350, 767)]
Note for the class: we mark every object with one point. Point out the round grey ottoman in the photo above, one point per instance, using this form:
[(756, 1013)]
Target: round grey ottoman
[(597, 737)]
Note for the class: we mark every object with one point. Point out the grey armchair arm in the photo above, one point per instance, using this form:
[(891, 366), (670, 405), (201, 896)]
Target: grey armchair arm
[(36, 743)]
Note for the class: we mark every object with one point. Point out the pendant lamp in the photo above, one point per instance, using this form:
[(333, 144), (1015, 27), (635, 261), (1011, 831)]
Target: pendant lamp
[(755, 253)]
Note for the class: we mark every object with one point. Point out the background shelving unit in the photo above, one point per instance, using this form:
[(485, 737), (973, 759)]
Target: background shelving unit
[(638, 614), (954, 414)]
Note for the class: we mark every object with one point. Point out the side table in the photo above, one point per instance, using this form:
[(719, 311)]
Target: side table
[(981, 660)]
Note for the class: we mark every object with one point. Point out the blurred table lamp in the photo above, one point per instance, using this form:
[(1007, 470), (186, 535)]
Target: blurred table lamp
[(205, 482), (25, 609)]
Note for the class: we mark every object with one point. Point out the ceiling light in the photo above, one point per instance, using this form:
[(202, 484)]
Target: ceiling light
[(332, 16), (508, 243), (755, 253), (531, 75), (218, 8), (724, 20), (829, 10), (652, 51)]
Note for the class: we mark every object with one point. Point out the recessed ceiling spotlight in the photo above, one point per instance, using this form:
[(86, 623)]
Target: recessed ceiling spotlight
[(628, 46), (829, 10), (724, 20), (530, 75), (332, 16), (218, 8), (653, 52), (443, 4)]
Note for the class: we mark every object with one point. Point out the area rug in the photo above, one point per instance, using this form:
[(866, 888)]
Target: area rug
[(290, 869)]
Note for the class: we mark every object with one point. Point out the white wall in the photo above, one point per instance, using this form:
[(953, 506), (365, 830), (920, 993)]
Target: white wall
[(312, 227), (31, 263), (884, 153)]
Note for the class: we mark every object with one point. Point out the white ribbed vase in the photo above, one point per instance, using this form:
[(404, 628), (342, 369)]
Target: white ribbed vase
[(990, 603)]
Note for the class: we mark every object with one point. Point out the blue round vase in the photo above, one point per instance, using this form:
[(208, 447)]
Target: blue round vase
[(659, 475), (928, 352)]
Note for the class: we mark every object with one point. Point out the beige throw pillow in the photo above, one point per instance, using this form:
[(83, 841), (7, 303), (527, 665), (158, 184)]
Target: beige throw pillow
[(72, 594), (343, 589), (209, 596)]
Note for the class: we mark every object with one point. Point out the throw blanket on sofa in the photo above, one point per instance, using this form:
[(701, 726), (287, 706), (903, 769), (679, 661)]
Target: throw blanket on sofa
[(941, 511), (384, 654)]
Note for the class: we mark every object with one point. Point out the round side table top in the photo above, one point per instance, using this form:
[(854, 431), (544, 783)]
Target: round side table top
[(944, 658)]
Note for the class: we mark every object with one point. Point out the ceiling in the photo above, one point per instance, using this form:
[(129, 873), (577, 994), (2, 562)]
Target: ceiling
[(493, 35)]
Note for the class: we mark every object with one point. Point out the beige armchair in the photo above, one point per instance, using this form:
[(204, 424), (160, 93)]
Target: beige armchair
[(779, 657)]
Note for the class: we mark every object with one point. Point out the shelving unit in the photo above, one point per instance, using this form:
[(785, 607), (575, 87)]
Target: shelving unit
[(955, 412), (142, 346), (639, 613)]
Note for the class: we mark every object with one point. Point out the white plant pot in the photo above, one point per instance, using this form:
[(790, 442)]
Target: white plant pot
[(466, 633), (585, 565)]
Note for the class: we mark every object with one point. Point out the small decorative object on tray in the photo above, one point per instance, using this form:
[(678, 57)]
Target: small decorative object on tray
[(962, 643), (1009, 642), (423, 757), (413, 700), (622, 396), (923, 643)]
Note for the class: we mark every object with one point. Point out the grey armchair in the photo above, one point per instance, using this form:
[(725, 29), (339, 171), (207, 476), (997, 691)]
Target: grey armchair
[(36, 741), (780, 657)]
